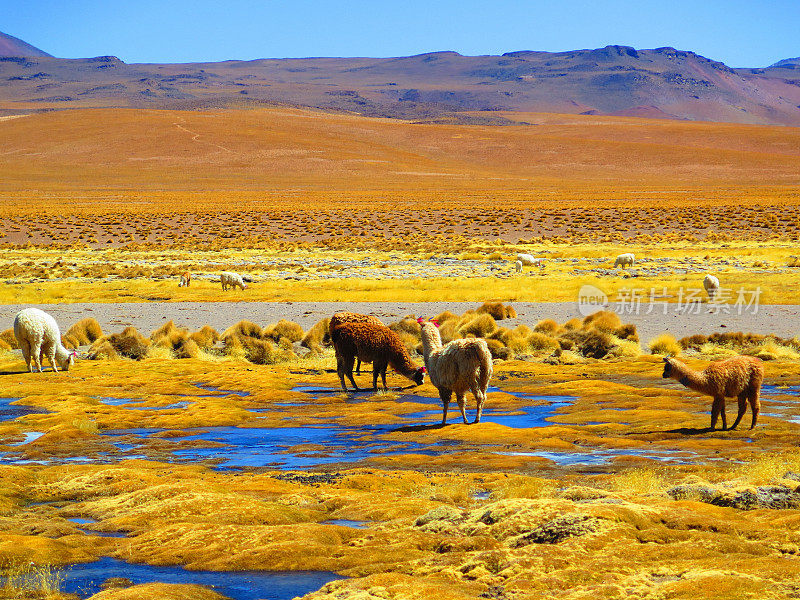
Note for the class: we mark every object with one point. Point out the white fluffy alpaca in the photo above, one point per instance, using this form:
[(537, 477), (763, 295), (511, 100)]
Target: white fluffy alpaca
[(231, 280), (529, 260), (459, 366), (518, 266), (711, 284), (38, 335), (625, 260)]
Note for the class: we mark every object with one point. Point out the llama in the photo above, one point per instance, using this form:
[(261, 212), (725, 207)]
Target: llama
[(518, 266), (351, 317), (529, 260), (711, 284), (461, 365), (739, 377), (231, 280), (625, 260), (186, 279), (38, 335), (376, 344)]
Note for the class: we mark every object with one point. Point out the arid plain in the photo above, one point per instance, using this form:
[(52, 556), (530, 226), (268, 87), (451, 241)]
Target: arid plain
[(234, 451)]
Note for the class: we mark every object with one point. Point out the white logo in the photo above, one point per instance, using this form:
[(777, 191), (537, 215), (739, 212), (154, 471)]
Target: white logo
[(591, 299)]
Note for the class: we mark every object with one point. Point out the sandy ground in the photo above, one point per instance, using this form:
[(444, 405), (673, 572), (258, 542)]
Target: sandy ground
[(781, 320)]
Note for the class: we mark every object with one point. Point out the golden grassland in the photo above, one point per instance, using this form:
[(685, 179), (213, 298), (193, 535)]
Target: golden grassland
[(42, 275), (606, 530), (111, 205), (263, 177)]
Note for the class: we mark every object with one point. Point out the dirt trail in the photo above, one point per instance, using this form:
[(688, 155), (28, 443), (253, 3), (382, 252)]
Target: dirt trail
[(781, 320)]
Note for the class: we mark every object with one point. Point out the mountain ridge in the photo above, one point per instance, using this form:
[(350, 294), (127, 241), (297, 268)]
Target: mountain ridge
[(442, 86)]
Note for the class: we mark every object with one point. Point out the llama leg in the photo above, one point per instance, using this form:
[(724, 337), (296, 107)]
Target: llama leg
[(26, 354), (379, 368), (742, 398), (383, 378), (340, 371), (358, 366), (445, 396), (755, 406), (37, 355), (716, 407), (348, 363), (479, 399), (52, 358), (460, 400)]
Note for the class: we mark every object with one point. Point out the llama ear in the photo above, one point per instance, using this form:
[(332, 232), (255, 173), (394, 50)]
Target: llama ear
[(435, 322), (666, 359), (420, 320), (424, 369)]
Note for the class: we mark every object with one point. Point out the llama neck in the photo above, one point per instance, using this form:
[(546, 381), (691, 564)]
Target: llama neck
[(695, 380), (401, 362), (431, 340)]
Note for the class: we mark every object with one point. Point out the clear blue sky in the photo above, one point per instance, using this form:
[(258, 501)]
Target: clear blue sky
[(740, 33)]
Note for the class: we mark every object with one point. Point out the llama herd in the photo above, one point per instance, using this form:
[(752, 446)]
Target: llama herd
[(460, 366)]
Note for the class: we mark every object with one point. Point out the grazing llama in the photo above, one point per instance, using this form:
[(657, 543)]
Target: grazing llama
[(38, 335), (376, 344), (186, 279), (625, 260), (738, 377), (232, 280), (711, 284), (461, 365), (351, 317)]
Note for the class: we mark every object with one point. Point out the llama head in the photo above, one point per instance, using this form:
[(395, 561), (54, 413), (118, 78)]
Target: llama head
[(419, 375), (69, 360)]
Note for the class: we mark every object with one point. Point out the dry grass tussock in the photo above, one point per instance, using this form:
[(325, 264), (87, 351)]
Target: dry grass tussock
[(497, 310), (598, 336), (664, 344), (29, 580), (721, 345), (86, 331), (8, 338)]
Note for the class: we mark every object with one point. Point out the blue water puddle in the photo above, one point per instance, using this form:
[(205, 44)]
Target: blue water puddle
[(481, 495), (128, 403), (89, 531), (599, 457), (278, 446), (86, 579), (219, 391), (9, 412), (30, 436), (347, 523), (308, 446)]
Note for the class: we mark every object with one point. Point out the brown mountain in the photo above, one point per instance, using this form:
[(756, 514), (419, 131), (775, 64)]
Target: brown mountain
[(434, 87), (11, 46)]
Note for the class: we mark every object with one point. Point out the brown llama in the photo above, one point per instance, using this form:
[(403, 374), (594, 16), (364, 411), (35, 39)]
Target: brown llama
[(376, 344), (186, 279), (738, 377), (351, 317)]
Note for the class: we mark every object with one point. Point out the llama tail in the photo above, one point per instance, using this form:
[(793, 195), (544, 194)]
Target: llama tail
[(485, 368)]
